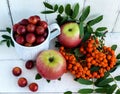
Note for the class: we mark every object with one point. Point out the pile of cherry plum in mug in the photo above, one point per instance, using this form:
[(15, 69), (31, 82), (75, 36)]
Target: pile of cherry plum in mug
[(30, 32)]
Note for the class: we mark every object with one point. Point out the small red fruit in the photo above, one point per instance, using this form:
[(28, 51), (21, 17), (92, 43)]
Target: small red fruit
[(24, 22), (38, 18), (40, 30), (22, 82), (33, 20), (29, 64), (15, 26), (16, 71), (21, 29), (33, 87), (28, 44), (40, 39), (44, 24), (45, 34), (30, 27), (20, 39), (30, 38)]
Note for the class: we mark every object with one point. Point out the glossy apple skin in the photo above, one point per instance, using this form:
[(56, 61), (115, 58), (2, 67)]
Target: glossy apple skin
[(69, 38), (50, 70)]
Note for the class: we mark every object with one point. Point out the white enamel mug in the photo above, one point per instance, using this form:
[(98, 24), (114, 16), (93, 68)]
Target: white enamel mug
[(30, 53)]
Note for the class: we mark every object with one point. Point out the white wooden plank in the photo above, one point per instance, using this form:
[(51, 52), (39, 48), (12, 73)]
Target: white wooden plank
[(25, 8), (4, 15), (51, 17), (107, 8)]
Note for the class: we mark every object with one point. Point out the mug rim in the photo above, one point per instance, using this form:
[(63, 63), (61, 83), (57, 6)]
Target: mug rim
[(30, 46)]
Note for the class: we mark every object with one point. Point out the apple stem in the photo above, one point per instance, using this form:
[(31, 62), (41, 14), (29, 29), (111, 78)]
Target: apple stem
[(70, 30), (51, 59)]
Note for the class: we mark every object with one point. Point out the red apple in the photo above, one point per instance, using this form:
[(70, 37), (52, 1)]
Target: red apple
[(70, 35), (24, 22), (20, 40), (21, 29), (40, 30), (50, 64), (33, 19), (30, 38), (43, 24), (30, 27), (15, 26)]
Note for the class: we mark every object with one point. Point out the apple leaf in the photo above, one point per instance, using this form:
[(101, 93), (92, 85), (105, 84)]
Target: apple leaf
[(111, 89), (61, 9), (113, 47), (47, 5), (81, 30), (96, 20), (38, 76), (101, 28), (59, 79), (118, 56), (85, 14), (87, 90), (48, 81), (68, 92), (75, 11)]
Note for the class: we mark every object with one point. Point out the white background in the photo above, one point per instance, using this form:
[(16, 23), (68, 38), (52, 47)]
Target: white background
[(13, 11)]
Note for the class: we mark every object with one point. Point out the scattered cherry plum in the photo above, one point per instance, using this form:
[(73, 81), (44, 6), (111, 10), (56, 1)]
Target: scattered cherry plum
[(16, 71), (40, 30), (33, 87), (30, 27), (22, 82), (29, 64), (24, 22), (30, 38), (21, 29), (20, 39)]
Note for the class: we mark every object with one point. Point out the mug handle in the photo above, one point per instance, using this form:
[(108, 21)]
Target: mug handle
[(54, 30)]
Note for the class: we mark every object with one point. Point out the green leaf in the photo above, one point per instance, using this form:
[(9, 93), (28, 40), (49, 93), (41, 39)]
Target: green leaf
[(8, 30), (38, 76), (2, 41), (55, 7), (105, 82), (12, 43), (47, 12), (113, 47), (99, 34), (81, 29), (96, 20), (118, 56), (8, 43), (94, 68), (111, 89), (48, 81), (61, 9), (84, 81), (68, 10), (101, 90), (59, 78), (6, 37), (101, 28), (117, 78), (87, 90), (65, 19), (75, 11), (118, 91), (85, 14), (86, 37), (68, 92), (113, 69), (47, 5)]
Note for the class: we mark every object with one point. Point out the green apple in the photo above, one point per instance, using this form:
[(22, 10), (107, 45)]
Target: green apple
[(70, 35), (51, 64)]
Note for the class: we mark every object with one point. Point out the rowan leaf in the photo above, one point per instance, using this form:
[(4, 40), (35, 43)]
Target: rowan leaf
[(113, 47), (68, 9), (105, 82), (84, 81), (6, 37), (96, 20), (38, 76), (48, 81), (8, 30), (47, 12), (87, 90), (47, 5), (75, 11), (55, 7), (94, 68), (117, 78), (118, 91), (101, 28), (61, 9), (111, 89), (101, 90), (118, 56), (68, 92), (85, 14), (81, 26)]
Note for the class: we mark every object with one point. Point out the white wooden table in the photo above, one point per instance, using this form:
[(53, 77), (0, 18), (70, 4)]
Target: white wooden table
[(13, 11)]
